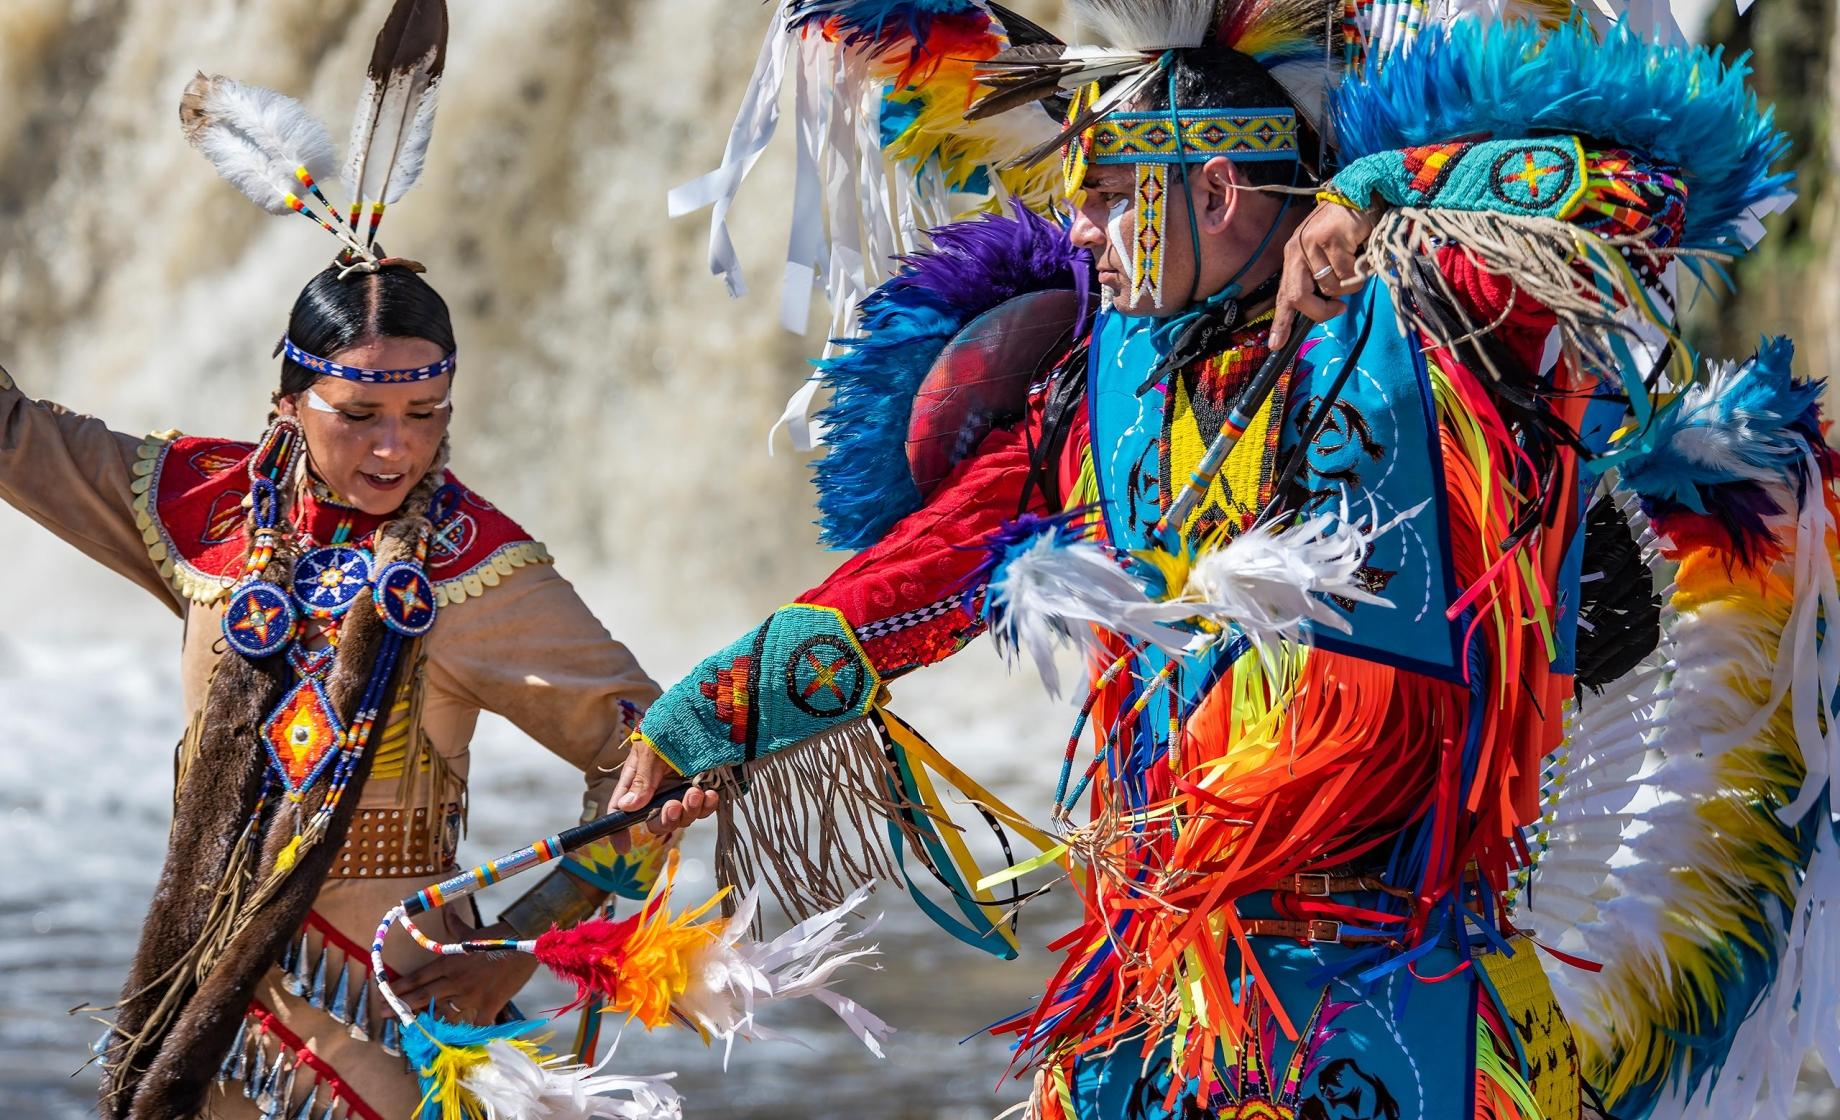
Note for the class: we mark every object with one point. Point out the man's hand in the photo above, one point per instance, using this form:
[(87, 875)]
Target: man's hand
[(470, 988), (1321, 264), (640, 779)]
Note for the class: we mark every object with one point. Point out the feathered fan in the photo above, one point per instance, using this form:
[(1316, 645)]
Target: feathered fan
[(271, 148)]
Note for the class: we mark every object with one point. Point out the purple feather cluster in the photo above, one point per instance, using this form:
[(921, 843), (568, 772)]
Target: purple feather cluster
[(974, 266), (864, 485)]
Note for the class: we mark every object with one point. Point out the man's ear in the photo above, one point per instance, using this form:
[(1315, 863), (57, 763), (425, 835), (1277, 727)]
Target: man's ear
[(1220, 182), (284, 406)]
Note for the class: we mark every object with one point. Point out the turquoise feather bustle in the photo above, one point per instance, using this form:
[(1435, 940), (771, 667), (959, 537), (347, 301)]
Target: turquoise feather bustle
[(1764, 419), (1679, 105), (1716, 452)]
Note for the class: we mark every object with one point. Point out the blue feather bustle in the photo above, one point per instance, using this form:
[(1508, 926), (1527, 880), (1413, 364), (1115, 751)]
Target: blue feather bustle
[(1771, 422), (864, 486), (1683, 106)]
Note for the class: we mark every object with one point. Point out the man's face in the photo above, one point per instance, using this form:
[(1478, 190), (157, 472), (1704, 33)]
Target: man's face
[(1105, 224)]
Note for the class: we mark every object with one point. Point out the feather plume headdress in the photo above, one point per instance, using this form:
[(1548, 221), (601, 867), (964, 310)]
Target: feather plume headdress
[(270, 147), (1288, 39)]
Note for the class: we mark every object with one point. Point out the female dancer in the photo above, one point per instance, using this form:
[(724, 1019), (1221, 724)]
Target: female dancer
[(350, 608)]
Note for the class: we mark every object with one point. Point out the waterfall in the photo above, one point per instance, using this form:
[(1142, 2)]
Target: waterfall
[(610, 397)]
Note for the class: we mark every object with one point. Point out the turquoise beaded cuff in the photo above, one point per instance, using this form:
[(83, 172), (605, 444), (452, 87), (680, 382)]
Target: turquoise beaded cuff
[(1537, 178), (800, 673)]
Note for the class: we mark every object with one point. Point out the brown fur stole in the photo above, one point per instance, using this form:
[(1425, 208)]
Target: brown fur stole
[(212, 932)]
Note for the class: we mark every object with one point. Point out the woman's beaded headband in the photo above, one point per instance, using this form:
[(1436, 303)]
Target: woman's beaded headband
[(368, 376)]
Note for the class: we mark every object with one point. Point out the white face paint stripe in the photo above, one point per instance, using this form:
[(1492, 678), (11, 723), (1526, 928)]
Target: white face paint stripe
[(318, 403), (1114, 231)]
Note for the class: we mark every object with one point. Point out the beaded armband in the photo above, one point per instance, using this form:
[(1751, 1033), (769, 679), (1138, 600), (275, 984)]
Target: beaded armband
[(802, 672), (1543, 177)]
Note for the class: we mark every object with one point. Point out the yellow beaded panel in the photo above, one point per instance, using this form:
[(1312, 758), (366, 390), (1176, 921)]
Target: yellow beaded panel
[(1239, 489), (1540, 1028)]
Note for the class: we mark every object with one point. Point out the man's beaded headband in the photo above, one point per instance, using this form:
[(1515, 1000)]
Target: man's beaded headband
[(369, 376), (1150, 136)]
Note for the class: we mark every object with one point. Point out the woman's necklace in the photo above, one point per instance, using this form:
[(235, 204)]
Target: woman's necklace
[(303, 736)]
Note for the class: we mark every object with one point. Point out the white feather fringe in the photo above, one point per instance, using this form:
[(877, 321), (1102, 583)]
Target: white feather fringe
[(1646, 758), (1053, 593), (1271, 584), (736, 977), (513, 1085)]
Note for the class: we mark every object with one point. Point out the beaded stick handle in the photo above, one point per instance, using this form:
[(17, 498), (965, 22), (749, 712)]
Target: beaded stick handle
[(1251, 399), (471, 882)]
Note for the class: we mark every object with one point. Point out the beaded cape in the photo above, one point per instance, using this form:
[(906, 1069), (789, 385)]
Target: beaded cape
[(189, 503)]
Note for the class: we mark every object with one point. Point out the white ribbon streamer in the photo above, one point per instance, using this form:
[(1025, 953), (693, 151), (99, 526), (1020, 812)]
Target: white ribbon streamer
[(747, 139)]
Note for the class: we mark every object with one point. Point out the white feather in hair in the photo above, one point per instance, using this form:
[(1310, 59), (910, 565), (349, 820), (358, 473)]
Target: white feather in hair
[(255, 138), (1148, 25)]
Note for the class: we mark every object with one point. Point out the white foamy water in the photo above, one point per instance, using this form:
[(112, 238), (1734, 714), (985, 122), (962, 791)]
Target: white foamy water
[(610, 397)]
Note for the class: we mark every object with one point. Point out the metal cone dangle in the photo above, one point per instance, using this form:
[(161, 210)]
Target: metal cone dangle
[(303, 736)]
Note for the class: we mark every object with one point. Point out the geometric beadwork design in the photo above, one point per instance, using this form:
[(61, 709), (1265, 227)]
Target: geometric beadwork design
[(327, 581), (824, 677), (1151, 205), (259, 620), (1256, 134), (303, 736), (1545, 1037), (729, 691), (405, 598)]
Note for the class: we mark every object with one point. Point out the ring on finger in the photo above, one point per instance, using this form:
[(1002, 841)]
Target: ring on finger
[(1325, 270)]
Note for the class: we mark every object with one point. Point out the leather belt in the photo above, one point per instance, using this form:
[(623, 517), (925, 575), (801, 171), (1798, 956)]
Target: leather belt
[(1321, 930), (1322, 884), (396, 843)]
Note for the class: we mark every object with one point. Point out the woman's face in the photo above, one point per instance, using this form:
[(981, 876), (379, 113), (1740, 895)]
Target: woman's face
[(372, 443)]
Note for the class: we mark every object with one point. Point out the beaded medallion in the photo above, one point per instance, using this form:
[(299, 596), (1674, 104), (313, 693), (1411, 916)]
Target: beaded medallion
[(303, 735), (329, 580), (259, 621), (405, 598)]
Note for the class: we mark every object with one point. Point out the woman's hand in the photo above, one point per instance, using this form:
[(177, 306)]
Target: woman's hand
[(1321, 264), (640, 779), (470, 988)]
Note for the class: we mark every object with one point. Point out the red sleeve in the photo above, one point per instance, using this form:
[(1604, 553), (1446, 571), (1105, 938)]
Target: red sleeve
[(906, 596)]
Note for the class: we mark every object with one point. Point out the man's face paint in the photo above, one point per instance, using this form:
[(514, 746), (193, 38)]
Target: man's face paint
[(1120, 242)]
